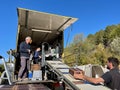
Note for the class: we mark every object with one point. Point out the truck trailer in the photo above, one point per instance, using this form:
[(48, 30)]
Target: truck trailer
[(47, 32)]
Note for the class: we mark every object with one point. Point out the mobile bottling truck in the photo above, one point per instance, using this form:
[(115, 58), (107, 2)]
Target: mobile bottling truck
[(46, 31)]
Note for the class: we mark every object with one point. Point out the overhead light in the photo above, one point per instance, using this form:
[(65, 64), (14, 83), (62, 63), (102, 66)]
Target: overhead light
[(46, 31)]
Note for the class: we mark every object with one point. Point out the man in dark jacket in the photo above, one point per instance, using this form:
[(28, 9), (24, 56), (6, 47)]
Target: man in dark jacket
[(111, 78), (25, 50)]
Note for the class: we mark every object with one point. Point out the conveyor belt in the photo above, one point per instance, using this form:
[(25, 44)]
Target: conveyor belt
[(63, 70)]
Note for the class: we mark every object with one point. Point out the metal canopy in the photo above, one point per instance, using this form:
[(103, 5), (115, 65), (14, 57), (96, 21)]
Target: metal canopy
[(49, 25)]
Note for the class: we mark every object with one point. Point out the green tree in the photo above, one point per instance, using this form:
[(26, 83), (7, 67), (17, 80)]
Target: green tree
[(115, 46), (1, 69), (99, 37)]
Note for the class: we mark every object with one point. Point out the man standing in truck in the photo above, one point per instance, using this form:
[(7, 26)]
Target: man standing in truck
[(25, 51)]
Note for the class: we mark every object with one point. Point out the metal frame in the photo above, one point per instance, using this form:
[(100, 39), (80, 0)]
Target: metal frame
[(8, 74)]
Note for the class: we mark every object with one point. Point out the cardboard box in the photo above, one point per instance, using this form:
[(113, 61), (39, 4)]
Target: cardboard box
[(74, 71), (37, 75), (35, 67)]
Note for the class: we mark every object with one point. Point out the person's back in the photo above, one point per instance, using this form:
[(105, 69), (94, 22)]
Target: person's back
[(115, 84)]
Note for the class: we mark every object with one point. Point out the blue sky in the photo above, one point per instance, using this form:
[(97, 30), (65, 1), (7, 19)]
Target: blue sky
[(93, 16)]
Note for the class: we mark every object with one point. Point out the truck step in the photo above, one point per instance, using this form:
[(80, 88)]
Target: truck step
[(25, 87)]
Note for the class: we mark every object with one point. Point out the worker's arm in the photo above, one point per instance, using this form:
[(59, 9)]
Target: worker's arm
[(94, 80), (90, 79)]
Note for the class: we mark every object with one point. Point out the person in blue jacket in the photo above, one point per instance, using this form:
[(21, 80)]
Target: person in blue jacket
[(37, 55)]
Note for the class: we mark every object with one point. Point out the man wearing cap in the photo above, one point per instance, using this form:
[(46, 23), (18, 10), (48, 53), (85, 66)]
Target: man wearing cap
[(25, 50)]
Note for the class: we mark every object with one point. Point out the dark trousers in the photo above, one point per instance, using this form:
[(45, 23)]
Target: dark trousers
[(25, 67), (37, 60)]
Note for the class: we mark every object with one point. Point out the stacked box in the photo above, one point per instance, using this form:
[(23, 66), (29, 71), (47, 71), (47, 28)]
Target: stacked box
[(74, 71), (35, 67), (37, 75)]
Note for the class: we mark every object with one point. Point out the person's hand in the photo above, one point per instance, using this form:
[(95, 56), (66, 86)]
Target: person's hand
[(29, 51), (30, 41), (40, 57), (38, 49)]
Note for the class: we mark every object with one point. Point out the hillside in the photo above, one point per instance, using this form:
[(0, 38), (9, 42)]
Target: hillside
[(95, 48)]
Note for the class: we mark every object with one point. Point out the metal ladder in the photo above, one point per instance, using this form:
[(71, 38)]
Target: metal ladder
[(8, 74)]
